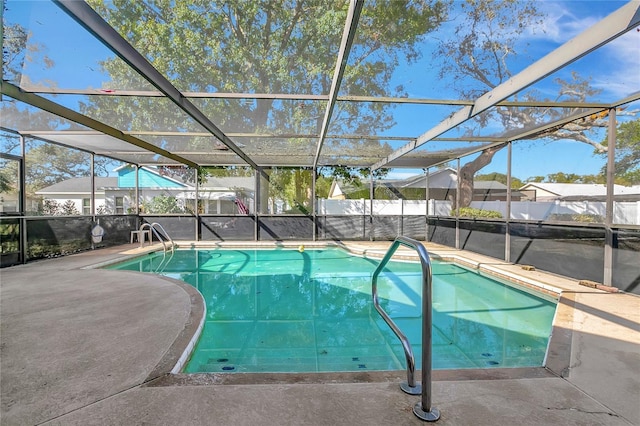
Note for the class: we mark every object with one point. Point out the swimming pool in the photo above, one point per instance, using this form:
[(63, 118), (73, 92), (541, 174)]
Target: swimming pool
[(285, 310)]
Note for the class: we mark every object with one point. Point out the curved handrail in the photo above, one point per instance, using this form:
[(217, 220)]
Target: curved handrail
[(422, 409), (164, 262), (152, 228)]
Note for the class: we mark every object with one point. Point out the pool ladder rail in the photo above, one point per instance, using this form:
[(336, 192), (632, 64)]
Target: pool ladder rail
[(422, 409), (163, 236)]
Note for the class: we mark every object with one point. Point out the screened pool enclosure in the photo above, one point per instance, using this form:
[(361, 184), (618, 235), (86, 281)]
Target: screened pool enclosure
[(509, 129)]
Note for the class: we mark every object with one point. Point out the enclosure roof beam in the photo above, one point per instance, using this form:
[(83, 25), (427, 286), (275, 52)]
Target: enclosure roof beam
[(348, 35), (530, 134), (90, 20), (614, 25), (631, 98), (306, 97), (64, 112)]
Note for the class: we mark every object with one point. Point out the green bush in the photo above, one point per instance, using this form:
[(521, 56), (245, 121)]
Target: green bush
[(41, 248), (473, 213), (576, 217), (163, 204)]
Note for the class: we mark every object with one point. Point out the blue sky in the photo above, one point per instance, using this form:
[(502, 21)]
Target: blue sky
[(71, 51)]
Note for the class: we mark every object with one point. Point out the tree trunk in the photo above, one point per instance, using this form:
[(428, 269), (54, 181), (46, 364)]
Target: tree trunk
[(468, 171)]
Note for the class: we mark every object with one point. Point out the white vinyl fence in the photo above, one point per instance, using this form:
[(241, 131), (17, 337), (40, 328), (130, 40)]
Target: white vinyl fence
[(624, 213)]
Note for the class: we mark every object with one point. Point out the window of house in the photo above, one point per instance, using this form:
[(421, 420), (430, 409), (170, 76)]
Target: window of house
[(119, 205), (86, 206)]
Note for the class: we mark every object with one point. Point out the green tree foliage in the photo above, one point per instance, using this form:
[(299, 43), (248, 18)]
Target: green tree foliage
[(5, 183), (260, 47), (46, 164), (627, 158), (500, 177), (561, 177), (536, 179), (263, 47), (69, 208), (50, 208), (162, 204)]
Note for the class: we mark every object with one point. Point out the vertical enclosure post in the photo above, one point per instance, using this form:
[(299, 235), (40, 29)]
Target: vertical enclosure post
[(608, 219), (371, 194), (507, 234), (426, 199), (314, 200), (458, 206)]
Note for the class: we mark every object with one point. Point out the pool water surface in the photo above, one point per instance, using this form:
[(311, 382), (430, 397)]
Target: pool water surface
[(286, 310)]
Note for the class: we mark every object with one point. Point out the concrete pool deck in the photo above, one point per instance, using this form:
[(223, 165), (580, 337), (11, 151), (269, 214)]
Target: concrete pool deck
[(94, 347)]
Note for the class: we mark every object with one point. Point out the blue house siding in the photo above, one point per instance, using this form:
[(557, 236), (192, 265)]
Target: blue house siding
[(146, 179)]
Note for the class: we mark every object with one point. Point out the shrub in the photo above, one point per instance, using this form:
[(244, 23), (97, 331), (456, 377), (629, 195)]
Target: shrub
[(50, 208), (473, 213), (576, 217), (69, 208)]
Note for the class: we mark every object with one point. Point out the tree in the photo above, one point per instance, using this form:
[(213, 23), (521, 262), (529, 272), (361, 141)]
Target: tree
[(163, 204), (477, 58), (561, 177), (536, 179), (18, 49), (263, 47), (69, 208), (45, 163), (6, 183), (50, 208), (627, 161), (500, 177)]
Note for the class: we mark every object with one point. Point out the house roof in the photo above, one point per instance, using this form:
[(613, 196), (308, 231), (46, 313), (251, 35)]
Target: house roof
[(81, 185), (228, 182), (445, 179), (78, 185), (579, 189)]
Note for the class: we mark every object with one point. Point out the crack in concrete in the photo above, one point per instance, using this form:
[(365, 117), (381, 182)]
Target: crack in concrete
[(582, 411)]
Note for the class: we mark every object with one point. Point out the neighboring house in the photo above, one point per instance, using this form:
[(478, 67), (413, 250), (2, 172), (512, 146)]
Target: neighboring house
[(218, 195), (442, 186), (151, 184), (116, 195), (536, 191), (335, 192), (78, 190)]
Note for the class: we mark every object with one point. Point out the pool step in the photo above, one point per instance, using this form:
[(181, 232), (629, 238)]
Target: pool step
[(321, 362)]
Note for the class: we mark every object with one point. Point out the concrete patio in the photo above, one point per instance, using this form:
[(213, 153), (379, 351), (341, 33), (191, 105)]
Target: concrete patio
[(95, 347)]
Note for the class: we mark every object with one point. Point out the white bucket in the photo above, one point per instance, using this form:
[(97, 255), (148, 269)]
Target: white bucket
[(97, 233)]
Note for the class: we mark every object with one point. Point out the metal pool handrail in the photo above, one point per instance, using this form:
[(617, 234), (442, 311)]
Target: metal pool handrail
[(422, 409), (153, 229)]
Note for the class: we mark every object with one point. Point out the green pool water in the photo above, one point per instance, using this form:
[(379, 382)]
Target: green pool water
[(289, 311)]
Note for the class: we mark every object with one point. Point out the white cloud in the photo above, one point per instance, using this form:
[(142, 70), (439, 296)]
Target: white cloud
[(624, 55), (561, 24)]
